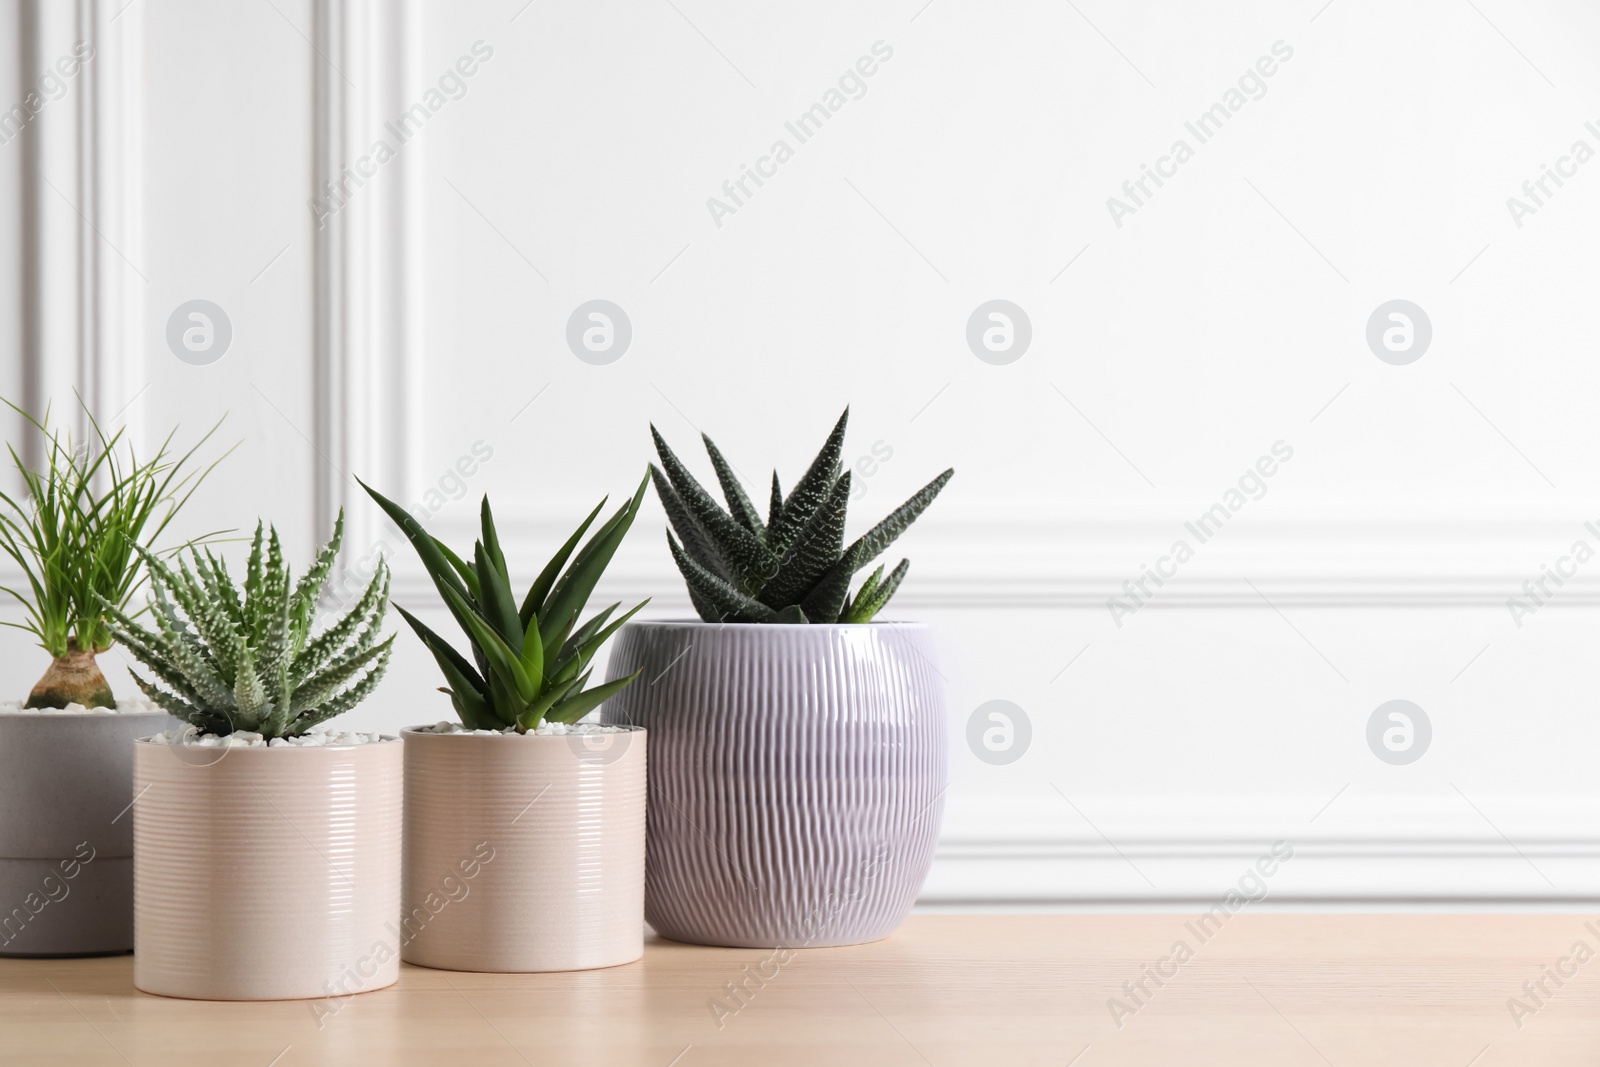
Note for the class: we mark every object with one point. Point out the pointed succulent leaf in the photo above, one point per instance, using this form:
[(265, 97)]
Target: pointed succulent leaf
[(871, 544), (586, 631), (182, 648), (576, 707), (252, 576), (326, 684), (533, 653), (463, 569), (429, 550), (495, 601), (810, 491), (584, 650), (530, 717), (533, 603), (491, 542), (871, 597), (274, 590), (249, 695), (309, 587), (502, 660), (214, 627), (739, 506), (458, 672), (816, 548), (775, 505), (572, 591), (748, 560), (825, 603), (182, 709), (725, 603), (275, 644), (557, 637), (368, 610), (344, 701), (690, 534), (142, 645), (220, 585), (868, 587), (280, 698), (794, 613)]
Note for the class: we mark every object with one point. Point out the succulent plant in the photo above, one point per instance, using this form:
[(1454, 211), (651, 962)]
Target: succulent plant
[(794, 568), (531, 662), (74, 536), (250, 663)]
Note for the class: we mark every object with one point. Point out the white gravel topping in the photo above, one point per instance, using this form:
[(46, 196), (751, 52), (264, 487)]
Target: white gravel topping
[(250, 739), (543, 729), (136, 705)]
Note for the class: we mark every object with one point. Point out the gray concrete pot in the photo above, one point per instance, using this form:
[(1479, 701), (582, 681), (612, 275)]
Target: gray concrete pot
[(66, 837), (797, 777)]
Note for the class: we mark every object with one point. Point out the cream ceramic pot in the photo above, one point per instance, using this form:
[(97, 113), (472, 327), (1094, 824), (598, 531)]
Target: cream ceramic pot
[(266, 873), (523, 852)]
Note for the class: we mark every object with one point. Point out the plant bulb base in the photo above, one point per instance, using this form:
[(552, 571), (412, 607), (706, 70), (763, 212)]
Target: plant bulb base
[(72, 679)]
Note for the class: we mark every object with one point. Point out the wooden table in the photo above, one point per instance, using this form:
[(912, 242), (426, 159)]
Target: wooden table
[(1274, 989)]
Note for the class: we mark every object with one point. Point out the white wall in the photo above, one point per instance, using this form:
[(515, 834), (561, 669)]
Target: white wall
[(1169, 353)]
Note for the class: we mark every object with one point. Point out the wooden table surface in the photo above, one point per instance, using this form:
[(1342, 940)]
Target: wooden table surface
[(1277, 989)]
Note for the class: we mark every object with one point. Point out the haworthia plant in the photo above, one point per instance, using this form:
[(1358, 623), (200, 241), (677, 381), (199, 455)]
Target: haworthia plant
[(230, 662), (530, 663), (792, 568)]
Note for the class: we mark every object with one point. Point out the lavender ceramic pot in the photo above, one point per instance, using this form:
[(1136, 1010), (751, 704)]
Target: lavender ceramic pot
[(797, 777)]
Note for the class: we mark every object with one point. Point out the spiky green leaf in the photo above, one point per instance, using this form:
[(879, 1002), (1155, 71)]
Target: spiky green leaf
[(726, 603), (739, 506)]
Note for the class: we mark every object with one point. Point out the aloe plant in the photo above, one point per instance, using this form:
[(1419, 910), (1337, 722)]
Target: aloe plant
[(530, 662), (75, 536), (232, 662), (792, 568)]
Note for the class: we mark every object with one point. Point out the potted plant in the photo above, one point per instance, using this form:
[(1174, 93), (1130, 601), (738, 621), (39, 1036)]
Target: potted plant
[(66, 776), (798, 747), (520, 805), (266, 849)]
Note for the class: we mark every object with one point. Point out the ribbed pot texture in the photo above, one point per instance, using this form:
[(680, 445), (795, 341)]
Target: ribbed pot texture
[(797, 777), (66, 836), (266, 873), (523, 853)]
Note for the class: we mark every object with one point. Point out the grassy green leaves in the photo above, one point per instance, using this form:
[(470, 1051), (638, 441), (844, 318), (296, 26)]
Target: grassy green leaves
[(76, 534)]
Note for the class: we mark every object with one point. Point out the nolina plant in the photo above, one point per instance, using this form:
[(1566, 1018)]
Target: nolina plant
[(792, 568), (530, 662), (77, 535), (232, 662)]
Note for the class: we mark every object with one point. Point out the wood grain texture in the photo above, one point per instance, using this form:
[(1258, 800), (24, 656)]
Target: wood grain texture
[(1284, 990)]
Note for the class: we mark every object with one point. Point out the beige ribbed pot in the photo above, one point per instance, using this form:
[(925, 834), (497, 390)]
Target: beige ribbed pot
[(266, 873), (523, 852)]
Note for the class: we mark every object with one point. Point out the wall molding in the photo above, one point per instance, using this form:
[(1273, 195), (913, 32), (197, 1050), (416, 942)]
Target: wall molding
[(1363, 849), (1009, 555), (368, 315), (81, 232)]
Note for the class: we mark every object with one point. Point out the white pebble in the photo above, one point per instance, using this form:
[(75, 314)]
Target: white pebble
[(134, 705)]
